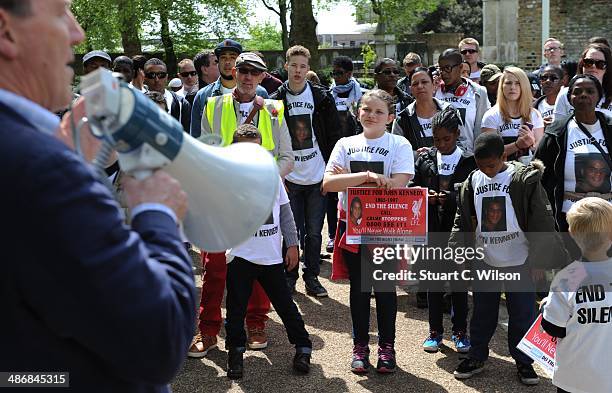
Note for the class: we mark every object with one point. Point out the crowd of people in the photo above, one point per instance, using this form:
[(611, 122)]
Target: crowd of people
[(515, 162)]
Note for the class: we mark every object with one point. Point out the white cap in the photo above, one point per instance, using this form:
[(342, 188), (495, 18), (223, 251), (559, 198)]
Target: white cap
[(176, 82)]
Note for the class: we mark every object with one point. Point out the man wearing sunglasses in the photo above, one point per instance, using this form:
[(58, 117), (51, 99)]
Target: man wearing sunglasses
[(469, 98), (227, 52), (553, 53), (386, 75), (470, 51), (550, 80), (189, 77), (156, 78), (221, 115)]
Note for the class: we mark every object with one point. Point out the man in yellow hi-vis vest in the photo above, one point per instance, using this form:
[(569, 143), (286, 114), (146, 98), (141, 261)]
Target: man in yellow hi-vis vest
[(223, 114)]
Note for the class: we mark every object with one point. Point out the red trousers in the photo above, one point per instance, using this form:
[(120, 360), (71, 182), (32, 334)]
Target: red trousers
[(213, 285)]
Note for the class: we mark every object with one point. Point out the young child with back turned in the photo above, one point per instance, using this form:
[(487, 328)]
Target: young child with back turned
[(260, 259), (578, 309)]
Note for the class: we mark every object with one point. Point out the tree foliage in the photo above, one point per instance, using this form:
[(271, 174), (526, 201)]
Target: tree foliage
[(457, 16), (264, 37), (394, 16)]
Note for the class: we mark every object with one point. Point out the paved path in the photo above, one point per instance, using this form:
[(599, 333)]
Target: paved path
[(328, 322)]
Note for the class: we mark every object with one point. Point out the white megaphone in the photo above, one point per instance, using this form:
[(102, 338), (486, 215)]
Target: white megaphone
[(231, 190)]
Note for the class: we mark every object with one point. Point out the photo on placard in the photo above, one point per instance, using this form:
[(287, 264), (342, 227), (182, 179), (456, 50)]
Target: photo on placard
[(355, 211), (592, 173), (300, 128), (493, 214), (372, 166)]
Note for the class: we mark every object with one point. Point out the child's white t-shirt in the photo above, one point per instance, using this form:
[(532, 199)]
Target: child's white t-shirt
[(580, 300), (264, 247), (386, 155), (498, 231)]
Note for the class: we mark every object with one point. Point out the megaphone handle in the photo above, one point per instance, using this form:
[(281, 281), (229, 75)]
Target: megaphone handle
[(141, 174)]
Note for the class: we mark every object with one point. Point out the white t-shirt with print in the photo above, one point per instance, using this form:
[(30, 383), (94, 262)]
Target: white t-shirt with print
[(509, 131), (466, 104), (386, 155), (225, 90), (426, 130), (580, 300), (503, 240), (563, 106), (447, 163), (546, 109), (265, 247), (309, 164), (245, 109), (584, 162)]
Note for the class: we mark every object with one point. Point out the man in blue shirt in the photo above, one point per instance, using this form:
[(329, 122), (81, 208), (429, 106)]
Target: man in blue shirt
[(81, 292)]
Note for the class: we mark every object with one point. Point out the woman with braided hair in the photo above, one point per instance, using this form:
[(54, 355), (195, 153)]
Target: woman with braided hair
[(440, 169)]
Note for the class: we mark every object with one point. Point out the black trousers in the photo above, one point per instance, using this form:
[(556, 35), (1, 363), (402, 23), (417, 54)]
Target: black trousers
[(240, 276)]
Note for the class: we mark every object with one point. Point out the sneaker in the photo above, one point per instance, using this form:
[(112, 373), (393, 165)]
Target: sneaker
[(314, 288), (235, 366), (468, 368), (256, 338), (330, 246), (527, 374), (432, 343), (201, 345), (301, 362), (461, 341), (386, 359), (361, 361)]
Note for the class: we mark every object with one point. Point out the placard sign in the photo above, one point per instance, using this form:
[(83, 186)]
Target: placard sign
[(378, 216)]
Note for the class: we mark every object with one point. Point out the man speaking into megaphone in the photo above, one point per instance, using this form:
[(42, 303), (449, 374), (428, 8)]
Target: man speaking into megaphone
[(82, 294)]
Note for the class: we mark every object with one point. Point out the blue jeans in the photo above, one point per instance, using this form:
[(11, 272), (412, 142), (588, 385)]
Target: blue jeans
[(308, 207), (521, 311)]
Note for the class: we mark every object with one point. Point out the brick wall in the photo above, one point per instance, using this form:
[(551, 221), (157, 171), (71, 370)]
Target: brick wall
[(571, 21)]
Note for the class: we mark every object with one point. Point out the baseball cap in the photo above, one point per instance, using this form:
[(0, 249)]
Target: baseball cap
[(176, 82), (489, 73), (250, 58), (230, 45), (96, 53)]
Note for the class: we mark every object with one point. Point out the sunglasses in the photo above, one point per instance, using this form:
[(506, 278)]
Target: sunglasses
[(388, 72), (252, 71), (599, 64), (553, 49), (337, 73), (470, 51), (158, 75), (551, 78), (188, 73), (448, 68)]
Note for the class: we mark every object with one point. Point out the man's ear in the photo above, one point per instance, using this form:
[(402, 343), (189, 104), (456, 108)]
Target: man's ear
[(8, 47), (286, 67), (234, 72)]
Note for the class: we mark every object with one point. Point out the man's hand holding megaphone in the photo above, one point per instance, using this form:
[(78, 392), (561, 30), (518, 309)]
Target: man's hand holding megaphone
[(158, 188)]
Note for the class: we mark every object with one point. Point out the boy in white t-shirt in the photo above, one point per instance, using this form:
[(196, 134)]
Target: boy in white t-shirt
[(260, 258), (504, 212), (578, 309)]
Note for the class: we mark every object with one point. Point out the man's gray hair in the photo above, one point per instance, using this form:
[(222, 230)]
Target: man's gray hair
[(17, 7)]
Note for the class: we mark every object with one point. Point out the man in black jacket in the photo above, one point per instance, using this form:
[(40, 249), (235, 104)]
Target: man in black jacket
[(314, 126), (156, 78)]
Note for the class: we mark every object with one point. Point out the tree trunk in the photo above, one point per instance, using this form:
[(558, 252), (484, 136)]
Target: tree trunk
[(304, 29), (128, 22), (167, 41), (282, 6)]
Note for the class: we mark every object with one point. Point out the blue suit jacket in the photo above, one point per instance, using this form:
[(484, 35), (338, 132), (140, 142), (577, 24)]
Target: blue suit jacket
[(80, 291)]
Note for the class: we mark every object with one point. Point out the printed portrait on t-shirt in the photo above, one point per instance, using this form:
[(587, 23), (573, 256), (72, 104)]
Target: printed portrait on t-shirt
[(372, 166), (355, 211), (300, 129), (270, 219), (444, 182), (493, 214), (592, 173)]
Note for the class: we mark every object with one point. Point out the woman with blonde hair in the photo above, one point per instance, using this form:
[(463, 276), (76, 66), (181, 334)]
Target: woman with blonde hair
[(513, 117)]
